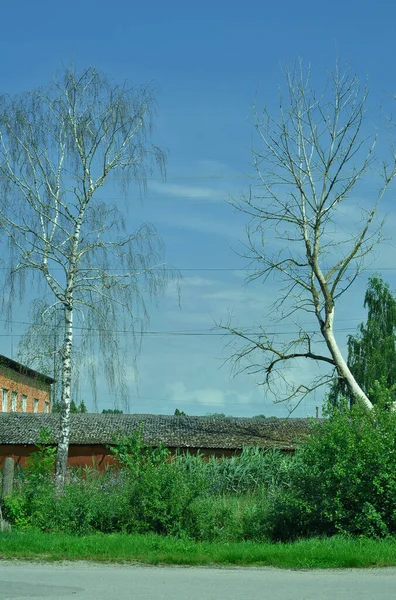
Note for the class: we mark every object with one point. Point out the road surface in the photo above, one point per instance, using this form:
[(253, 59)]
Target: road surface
[(93, 581)]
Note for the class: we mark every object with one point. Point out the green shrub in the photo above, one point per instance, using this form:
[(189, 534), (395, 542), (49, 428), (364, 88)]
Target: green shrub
[(99, 503), (343, 480), (227, 518), (160, 489), (160, 497), (133, 454), (33, 487), (95, 502), (40, 464), (16, 511)]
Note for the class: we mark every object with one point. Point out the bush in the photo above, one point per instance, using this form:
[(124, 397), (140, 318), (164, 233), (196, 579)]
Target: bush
[(134, 455), (159, 498), (227, 518), (28, 506), (160, 488), (343, 480), (91, 502)]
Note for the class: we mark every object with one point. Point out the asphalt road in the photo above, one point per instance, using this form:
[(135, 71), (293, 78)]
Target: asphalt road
[(86, 581)]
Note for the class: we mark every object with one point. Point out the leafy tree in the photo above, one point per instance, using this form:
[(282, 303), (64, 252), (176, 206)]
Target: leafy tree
[(82, 407), (179, 413), (216, 415), (59, 146), (74, 408), (112, 411), (309, 160), (372, 351)]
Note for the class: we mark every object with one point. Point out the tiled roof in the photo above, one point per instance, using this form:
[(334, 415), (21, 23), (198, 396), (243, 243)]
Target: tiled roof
[(172, 431)]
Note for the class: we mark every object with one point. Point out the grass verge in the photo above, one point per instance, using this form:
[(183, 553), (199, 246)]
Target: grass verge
[(337, 552)]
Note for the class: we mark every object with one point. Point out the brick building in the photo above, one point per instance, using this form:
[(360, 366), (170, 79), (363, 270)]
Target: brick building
[(23, 389)]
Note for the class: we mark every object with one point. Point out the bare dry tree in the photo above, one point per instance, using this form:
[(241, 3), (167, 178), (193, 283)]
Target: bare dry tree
[(59, 146), (309, 162)]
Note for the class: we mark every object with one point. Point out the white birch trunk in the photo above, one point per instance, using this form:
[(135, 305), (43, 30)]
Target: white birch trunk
[(340, 362), (63, 443)]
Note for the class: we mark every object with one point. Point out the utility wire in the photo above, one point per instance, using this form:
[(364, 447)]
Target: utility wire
[(181, 333), (207, 269)]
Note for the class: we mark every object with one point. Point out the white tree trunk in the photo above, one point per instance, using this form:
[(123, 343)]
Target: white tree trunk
[(63, 444), (340, 362)]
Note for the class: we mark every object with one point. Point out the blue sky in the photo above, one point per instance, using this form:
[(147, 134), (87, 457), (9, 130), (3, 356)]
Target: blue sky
[(208, 60)]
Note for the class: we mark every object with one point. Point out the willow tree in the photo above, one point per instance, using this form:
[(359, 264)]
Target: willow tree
[(59, 147), (310, 226)]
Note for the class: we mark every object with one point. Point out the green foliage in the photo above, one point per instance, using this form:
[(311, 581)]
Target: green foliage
[(40, 464), (91, 502), (227, 518), (337, 552), (253, 469), (112, 411), (216, 415), (382, 395), (24, 509), (82, 408), (16, 511), (160, 490), (161, 497), (150, 492), (133, 454), (343, 480), (74, 408), (179, 413)]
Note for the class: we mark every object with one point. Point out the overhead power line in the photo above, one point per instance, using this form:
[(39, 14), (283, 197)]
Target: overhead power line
[(171, 333), (210, 269), (188, 176)]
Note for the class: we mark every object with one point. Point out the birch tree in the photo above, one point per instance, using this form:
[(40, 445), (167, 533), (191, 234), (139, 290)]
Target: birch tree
[(309, 226), (59, 146)]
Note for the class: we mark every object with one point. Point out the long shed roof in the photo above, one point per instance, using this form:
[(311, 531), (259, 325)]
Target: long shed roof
[(172, 431)]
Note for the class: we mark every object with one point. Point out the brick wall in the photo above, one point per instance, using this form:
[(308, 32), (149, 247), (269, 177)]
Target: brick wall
[(23, 389), (98, 455)]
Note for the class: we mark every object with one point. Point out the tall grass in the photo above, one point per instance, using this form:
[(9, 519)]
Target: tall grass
[(336, 552), (212, 500)]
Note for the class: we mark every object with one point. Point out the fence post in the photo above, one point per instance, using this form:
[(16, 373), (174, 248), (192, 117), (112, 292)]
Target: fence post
[(8, 477), (6, 489)]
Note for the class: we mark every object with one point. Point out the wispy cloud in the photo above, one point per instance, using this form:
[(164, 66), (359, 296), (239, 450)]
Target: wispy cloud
[(226, 227), (211, 399), (190, 192), (206, 396)]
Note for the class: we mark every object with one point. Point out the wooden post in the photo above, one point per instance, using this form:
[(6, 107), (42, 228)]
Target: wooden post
[(8, 477), (6, 489)]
